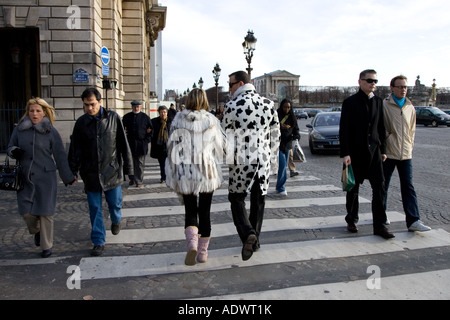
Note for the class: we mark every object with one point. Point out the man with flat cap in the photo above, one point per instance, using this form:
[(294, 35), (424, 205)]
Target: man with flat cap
[(138, 128)]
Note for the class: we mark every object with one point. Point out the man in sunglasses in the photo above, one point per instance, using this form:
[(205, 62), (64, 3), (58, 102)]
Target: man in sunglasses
[(253, 133), (362, 137)]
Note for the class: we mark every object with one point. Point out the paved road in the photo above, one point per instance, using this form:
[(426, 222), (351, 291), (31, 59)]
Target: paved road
[(306, 252)]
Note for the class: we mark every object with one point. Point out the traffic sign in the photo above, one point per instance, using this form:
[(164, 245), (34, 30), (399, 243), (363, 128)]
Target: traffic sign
[(104, 54)]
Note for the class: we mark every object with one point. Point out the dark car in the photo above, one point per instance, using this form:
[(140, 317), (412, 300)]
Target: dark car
[(324, 132), (447, 111), (312, 113), (300, 114), (432, 116)]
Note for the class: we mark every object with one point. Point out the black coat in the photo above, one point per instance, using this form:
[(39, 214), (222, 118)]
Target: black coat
[(288, 135), (100, 151), (158, 151), (362, 133), (136, 125)]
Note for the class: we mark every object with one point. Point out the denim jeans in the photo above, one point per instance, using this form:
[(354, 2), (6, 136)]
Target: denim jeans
[(409, 198), (283, 159), (114, 200)]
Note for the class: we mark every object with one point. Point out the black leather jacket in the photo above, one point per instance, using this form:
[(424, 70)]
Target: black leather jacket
[(100, 151)]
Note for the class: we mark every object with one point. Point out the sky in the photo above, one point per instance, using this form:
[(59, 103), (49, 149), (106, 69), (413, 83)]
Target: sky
[(325, 42)]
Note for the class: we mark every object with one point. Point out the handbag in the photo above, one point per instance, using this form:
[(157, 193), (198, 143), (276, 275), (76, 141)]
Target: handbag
[(348, 178), (299, 155), (11, 176)]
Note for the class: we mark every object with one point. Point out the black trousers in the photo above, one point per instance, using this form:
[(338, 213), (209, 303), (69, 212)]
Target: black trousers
[(245, 224), (198, 215), (376, 179)]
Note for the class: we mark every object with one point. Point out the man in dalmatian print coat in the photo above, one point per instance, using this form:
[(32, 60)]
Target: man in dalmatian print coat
[(253, 133)]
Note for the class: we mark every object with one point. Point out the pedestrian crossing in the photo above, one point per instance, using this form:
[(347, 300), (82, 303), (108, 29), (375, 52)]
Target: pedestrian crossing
[(310, 193)]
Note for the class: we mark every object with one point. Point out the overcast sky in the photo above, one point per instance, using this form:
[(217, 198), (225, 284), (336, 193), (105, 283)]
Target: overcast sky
[(326, 42)]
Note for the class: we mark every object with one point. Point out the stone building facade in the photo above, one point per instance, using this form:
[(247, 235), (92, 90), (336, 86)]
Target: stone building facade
[(52, 49), (278, 85)]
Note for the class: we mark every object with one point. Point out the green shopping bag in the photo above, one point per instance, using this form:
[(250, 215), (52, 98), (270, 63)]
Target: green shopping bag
[(348, 179)]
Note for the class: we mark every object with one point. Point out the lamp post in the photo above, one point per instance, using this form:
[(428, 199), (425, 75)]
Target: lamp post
[(200, 83), (216, 73), (249, 46)]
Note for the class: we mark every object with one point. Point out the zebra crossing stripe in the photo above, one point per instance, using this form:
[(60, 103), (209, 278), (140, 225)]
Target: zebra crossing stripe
[(226, 229), (225, 206), (167, 263), (224, 191), (404, 287)]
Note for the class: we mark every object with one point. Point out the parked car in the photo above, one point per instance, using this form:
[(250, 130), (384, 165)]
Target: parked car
[(335, 109), (301, 114), (324, 132), (447, 111), (432, 116), (312, 113)]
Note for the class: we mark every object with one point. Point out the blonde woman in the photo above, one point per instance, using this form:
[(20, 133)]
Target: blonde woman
[(39, 148), (193, 169)]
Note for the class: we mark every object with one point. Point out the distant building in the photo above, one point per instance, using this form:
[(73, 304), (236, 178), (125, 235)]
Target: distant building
[(53, 49), (278, 85)]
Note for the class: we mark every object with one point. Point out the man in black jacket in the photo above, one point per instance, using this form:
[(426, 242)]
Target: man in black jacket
[(362, 137), (138, 128), (99, 150)]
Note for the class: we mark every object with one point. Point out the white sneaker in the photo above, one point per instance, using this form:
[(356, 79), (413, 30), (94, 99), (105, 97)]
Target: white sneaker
[(418, 226), (283, 193)]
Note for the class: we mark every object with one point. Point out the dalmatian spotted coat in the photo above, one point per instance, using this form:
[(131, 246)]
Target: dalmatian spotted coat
[(253, 134)]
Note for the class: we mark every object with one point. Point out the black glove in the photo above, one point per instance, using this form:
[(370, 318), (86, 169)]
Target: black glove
[(17, 153)]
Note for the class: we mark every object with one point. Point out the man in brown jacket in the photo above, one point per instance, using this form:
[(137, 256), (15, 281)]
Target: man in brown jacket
[(400, 122)]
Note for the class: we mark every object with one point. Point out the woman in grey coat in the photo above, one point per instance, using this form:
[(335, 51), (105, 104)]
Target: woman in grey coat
[(39, 148)]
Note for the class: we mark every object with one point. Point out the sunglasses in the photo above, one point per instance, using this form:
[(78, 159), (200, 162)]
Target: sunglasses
[(371, 80), (233, 83)]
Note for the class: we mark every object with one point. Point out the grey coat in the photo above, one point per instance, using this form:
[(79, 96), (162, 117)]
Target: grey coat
[(44, 154)]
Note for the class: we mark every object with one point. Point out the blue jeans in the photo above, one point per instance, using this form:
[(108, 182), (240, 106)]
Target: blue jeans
[(409, 198), (114, 200), (283, 159)]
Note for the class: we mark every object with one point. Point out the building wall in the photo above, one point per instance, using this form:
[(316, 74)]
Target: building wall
[(71, 36)]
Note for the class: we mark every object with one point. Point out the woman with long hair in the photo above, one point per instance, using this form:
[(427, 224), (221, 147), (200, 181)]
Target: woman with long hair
[(289, 132), (193, 169)]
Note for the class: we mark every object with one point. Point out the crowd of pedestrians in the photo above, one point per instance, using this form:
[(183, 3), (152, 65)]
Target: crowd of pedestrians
[(191, 145)]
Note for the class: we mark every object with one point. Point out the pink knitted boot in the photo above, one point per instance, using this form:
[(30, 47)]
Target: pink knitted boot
[(203, 244), (192, 244)]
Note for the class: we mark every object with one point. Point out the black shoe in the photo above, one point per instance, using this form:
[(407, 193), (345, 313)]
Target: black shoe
[(46, 253), (115, 228), (294, 173), (256, 246), (247, 249), (37, 239), (352, 228), (97, 250), (383, 232)]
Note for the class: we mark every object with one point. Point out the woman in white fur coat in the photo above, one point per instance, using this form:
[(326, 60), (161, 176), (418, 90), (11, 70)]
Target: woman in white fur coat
[(193, 169)]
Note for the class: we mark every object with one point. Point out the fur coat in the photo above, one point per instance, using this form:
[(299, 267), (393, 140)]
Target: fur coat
[(251, 123), (195, 153)]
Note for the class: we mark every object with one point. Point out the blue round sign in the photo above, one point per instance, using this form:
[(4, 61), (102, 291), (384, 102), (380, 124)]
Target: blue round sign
[(104, 54)]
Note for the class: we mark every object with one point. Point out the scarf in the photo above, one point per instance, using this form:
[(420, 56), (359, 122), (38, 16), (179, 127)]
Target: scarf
[(399, 102), (163, 136)]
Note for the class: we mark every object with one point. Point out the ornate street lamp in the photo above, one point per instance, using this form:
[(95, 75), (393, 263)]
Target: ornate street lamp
[(200, 83), (249, 46), (216, 73)]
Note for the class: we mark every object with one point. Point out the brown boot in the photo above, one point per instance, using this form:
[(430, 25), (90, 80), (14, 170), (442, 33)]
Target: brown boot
[(202, 255), (192, 245)]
